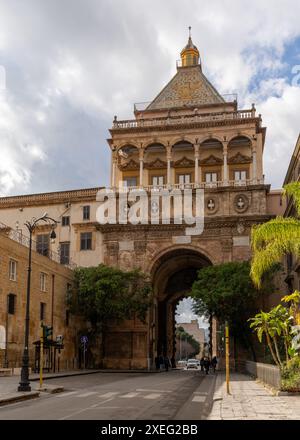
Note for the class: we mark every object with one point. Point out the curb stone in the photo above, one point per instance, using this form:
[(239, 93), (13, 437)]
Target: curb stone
[(19, 398)]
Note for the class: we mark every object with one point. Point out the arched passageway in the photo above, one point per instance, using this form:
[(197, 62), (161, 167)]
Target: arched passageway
[(173, 275)]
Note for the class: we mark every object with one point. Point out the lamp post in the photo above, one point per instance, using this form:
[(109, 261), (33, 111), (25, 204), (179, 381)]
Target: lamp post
[(24, 384)]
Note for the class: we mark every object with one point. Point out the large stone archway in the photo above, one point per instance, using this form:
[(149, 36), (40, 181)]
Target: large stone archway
[(173, 274)]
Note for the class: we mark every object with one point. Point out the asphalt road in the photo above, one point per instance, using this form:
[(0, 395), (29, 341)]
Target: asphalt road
[(173, 395)]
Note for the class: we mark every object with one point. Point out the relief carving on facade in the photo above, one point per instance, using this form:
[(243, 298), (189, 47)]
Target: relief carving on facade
[(241, 203), (211, 160), (184, 162), (239, 158), (129, 166), (156, 164)]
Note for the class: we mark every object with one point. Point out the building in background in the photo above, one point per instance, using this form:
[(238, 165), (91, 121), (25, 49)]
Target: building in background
[(50, 282), (189, 137), (78, 239)]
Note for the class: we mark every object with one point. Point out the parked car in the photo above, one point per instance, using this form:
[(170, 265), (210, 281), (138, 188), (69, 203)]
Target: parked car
[(182, 363), (192, 363)]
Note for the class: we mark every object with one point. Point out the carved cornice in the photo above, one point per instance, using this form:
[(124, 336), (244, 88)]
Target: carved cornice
[(129, 166), (155, 164), (52, 198), (210, 223), (184, 162), (239, 158), (180, 126), (211, 160)]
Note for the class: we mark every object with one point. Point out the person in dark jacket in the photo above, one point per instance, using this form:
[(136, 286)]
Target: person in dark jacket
[(161, 361), (167, 362), (214, 362), (157, 362), (206, 364), (202, 363)]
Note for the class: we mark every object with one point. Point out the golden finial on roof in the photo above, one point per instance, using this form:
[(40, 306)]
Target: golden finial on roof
[(190, 55)]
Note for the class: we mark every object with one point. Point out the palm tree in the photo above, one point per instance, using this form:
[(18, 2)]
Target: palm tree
[(263, 325), (275, 238), (282, 320)]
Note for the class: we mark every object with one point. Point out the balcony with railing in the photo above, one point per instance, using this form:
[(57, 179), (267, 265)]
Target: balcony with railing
[(18, 236), (239, 115), (201, 185)]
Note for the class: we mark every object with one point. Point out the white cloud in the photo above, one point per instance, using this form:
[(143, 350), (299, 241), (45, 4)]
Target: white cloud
[(71, 66)]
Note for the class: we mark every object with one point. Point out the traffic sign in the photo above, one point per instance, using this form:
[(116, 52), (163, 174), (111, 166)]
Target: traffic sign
[(84, 340)]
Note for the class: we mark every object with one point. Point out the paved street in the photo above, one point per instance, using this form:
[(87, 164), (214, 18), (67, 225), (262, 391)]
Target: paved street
[(176, 395)]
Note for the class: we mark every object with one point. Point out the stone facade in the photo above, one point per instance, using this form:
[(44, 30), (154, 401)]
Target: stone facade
[(188, 138), (52, 294)]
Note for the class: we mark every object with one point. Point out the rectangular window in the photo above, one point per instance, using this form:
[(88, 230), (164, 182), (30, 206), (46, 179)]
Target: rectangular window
[(157, 180), (240, 175), (65, 253), (85, 241), (12, 270), (86, 212), (65, 221), (42, 244), (67, 317), (130, 181), (43, 281), (42, 311), (11, 303), (211, 177), (184, 178)]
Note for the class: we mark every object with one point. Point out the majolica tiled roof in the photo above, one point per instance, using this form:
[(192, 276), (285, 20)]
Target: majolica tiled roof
[(188, 87)]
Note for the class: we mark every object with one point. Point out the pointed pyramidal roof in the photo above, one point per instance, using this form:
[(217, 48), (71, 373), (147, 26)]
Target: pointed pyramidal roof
[(189, 87)]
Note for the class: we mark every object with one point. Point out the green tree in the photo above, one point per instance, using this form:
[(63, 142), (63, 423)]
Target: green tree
[(272, 240), (102, 294), (261, 323), (227, 292)]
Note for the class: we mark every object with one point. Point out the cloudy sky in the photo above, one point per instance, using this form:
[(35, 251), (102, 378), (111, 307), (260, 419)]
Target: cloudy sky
[(71, 65)]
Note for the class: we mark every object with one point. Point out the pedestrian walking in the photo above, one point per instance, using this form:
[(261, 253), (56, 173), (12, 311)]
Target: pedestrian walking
[(157, 362), (206, 365), (167, 362), (161, 362), (214, 362), (202, 363)]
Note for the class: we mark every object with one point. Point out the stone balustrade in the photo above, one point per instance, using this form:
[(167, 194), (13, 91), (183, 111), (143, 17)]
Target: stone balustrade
[(203, 185), (183, 120)]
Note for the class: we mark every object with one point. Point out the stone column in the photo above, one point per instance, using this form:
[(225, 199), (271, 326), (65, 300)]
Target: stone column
[(254, 165), (114, 169), (196, 148), (141, 157), (169, 158), (225, 165)]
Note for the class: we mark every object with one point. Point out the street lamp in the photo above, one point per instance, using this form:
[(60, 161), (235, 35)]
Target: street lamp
[(24, 384)]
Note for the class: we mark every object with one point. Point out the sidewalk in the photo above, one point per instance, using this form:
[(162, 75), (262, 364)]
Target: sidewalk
[(250, 400)]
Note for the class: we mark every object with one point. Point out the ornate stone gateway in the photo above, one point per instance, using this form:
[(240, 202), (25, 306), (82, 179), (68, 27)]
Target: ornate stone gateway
[(188, 137)]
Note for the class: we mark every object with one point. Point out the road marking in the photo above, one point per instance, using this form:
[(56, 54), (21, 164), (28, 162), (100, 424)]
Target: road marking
[(144, 390), (111, 394), (82, 410), (87, 394), (199, 399), (152, 396), (66, 394), (129, 395)]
